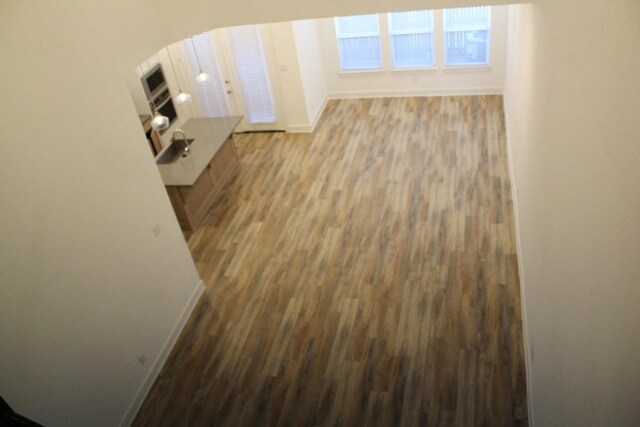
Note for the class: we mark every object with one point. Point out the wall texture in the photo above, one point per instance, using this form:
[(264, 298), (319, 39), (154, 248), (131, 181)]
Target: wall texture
[(287, 71), (311, 68), (573, 110), (94, 272), (192, 16)]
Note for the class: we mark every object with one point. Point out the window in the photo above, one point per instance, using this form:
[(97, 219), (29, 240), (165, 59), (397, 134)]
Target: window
[(466, 35), (213, 100), (464, 32), (246, 48), (411, 38), (359, 42)]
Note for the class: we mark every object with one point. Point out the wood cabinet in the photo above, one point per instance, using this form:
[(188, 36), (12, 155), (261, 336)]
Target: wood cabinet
[(152, 136), (191, 203)]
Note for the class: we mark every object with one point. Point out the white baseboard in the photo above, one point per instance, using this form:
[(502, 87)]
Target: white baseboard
[(528, 351), (416, 92), (162, 357), (389, 94), (319, 112), (309, 128), (299, 129)]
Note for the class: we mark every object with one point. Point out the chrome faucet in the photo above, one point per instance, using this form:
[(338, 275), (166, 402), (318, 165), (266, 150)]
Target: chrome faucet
[(184, 139)]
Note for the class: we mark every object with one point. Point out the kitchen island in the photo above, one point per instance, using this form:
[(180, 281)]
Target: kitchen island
[(194, 182)]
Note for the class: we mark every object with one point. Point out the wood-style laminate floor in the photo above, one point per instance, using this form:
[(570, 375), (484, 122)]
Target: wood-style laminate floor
[(365, 274)]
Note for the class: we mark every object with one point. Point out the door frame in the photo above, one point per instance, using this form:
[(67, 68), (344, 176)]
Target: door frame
[(222, 39)]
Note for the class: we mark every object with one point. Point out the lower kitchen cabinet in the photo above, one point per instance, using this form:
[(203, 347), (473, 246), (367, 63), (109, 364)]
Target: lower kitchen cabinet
[(191, 203)]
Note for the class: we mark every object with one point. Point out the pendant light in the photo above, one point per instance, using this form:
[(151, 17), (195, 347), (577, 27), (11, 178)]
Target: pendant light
[(158, 122), (202, 76), (182, 97)]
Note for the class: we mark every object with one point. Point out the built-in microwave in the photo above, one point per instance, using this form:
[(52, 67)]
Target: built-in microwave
[(153, 81), (158, 94)]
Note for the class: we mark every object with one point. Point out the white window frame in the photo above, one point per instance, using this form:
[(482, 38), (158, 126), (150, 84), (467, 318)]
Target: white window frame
[(340, 36), (445, 30), (385, 34), (392, 32)]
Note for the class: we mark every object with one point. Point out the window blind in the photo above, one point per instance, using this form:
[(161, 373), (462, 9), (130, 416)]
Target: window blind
[(466, 35), (359, 42), (211, 93), (246, 48), (411, 38)]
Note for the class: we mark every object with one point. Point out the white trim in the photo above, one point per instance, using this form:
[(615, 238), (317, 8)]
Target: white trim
[(299, 129), (418, 70), (319, 112), (311, 127), (475, 68), (162, 357), (359, 71), (528, 350), (416, 93)]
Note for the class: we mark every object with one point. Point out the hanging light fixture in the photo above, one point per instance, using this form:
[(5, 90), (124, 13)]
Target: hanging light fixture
[(202, 76), (182, 97), (158, 122)]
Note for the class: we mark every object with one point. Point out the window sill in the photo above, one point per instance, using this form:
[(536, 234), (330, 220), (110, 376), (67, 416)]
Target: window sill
[(466, 68), (358, 72), (426, 70), (429, 70)]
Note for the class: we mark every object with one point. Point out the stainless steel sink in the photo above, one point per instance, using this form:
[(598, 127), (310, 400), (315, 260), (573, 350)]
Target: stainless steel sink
[(173, 152)]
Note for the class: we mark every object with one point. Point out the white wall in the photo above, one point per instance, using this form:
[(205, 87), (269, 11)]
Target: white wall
[(573, 117), (86, 285), (438, 81), (193, 16), (311, 68), (137, 93), (289, 84), (296, 51)]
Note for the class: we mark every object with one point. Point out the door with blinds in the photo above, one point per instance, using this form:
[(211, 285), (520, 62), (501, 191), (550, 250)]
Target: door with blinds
[(251, 66), (213, 88), (238, 64)]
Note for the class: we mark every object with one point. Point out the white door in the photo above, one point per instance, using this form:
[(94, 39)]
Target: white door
[(249, 58), (240, 65), (214, 94)]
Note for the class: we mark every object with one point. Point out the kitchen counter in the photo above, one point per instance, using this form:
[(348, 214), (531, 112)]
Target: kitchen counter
[(209, 134), (194, 182)]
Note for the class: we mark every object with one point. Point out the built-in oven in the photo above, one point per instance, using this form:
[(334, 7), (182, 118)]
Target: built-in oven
[(153, 81), (163, 104), (158, 94)]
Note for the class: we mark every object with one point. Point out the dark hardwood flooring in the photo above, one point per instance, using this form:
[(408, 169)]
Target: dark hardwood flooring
[(365, 274)]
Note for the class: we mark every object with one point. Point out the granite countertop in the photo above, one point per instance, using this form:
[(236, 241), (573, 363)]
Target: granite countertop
[(208, 133)]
